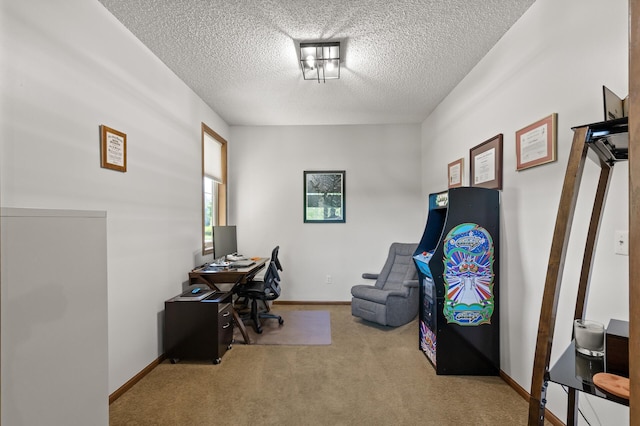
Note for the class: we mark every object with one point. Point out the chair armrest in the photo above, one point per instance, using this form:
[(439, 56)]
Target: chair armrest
[(368, 276), (407, 286), (410, 283)]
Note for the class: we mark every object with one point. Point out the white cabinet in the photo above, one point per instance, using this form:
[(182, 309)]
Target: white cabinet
[(53, 309)]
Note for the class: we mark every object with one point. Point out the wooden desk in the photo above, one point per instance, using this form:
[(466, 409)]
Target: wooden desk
[(237, 276)]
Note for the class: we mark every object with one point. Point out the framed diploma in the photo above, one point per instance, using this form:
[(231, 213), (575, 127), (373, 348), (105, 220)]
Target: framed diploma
[(486, 163), (536, 143), (113, 149), (455, 170)]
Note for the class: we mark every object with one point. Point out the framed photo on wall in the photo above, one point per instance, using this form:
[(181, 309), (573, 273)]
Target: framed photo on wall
[(113, 149), (536, 143), (486, 163), (455, 173), (324, 196)]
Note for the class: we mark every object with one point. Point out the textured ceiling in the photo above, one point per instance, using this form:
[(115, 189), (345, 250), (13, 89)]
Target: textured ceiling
[(401, 57)]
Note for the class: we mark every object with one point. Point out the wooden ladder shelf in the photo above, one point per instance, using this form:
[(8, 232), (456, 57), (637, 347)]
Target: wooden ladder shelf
[(609, 141)]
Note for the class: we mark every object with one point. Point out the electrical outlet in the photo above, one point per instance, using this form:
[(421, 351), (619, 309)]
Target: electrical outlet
[(622, 243), (329, 279)]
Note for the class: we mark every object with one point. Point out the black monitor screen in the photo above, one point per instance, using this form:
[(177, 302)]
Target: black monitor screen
[(224, 241)]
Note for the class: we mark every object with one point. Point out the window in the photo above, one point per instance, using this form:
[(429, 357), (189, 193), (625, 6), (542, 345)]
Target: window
[(214, 185)]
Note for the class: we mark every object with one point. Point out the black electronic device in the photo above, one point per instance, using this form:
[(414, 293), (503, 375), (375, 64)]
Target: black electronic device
[(225, 242)]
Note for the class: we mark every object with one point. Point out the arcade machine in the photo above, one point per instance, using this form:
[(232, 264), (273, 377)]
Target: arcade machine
[(458, 268)]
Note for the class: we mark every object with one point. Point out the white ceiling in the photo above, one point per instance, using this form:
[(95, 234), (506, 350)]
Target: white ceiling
[(401, 57)]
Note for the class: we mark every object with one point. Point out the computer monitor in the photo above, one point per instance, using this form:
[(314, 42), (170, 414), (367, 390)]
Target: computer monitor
[(224, 241)]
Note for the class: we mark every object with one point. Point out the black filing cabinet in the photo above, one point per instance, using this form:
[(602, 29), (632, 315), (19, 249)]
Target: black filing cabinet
[(198, 329)]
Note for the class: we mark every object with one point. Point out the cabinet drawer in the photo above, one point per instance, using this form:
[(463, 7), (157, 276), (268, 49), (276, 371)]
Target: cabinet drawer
[(225, 320), (225, 328), (224, 309), (225, 332)]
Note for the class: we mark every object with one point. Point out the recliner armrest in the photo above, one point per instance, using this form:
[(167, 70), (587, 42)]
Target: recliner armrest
[(368, 276), (411, 283)]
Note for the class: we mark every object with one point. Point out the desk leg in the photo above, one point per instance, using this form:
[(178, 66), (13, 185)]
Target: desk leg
[(241, 327), (200, 280)]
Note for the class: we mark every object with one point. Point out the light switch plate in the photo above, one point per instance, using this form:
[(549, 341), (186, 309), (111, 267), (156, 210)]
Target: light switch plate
[(622, 243)]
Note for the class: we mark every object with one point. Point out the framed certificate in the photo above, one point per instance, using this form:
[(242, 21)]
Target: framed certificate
[(455, 173), (486, 163), (536, 143), (113, 149)]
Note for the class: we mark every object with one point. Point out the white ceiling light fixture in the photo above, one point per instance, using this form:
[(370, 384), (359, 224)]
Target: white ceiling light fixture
[(320, 60)]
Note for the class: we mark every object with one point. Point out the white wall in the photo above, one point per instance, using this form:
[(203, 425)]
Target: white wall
[(383, 202), (555, 59), (66, 68)]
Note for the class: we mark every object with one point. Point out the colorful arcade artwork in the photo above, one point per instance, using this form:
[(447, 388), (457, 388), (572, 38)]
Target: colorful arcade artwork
[(468, 275), (428, 342)]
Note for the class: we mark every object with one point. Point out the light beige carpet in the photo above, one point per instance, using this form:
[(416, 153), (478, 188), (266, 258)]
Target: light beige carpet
[(299, 328), (368, 375)]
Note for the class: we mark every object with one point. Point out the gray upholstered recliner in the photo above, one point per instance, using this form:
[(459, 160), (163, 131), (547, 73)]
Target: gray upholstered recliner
[(393, 299)]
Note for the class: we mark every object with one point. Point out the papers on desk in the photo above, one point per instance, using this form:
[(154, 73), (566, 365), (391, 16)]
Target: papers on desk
[(235, 258), (236, 264), (242, 264)]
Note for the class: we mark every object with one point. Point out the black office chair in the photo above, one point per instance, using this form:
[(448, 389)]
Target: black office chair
[(265, 291), (274, 258), (241, 301)]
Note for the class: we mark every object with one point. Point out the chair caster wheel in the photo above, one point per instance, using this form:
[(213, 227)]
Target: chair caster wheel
[(280, 321), (229, 347), (217, 361), (174, 360), (259, 330)]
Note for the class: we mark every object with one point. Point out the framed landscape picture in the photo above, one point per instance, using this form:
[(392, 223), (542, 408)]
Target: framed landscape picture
[(324, 197)]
